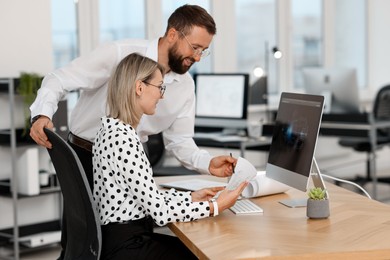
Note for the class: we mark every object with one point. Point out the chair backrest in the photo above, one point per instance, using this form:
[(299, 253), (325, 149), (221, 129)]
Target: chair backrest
[(82, 222), (382, 107), (155, 150)]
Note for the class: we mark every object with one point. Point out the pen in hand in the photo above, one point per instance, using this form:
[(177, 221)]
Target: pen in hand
[(232, 163)]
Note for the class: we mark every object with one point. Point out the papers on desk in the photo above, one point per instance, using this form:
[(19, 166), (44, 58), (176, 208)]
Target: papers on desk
[(261, 185), (244, 171), (193, 184)]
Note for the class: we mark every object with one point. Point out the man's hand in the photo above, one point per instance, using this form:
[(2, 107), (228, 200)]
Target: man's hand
[(222, 166), (37, 133)]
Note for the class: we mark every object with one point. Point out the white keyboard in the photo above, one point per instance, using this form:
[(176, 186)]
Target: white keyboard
[(246, 206)]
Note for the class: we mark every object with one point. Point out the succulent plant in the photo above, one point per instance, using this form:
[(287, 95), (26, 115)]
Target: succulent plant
[(317, 193)]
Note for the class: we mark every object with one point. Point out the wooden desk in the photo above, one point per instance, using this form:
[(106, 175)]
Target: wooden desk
[(358, 228)]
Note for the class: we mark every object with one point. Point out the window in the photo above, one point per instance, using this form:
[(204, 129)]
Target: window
[(64, 32), (342, 44), (255, 21), (121, 19), (65, 39), (350, 35), (306, 37)]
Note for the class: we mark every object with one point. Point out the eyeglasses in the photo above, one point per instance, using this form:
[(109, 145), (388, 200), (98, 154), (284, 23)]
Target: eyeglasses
[(161, 87), (197, 51)]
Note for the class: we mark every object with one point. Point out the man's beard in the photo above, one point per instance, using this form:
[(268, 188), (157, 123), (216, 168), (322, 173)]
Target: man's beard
[(176, 61)]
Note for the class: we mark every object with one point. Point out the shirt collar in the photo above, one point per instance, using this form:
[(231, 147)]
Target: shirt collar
[(114, 123), (152, 53)]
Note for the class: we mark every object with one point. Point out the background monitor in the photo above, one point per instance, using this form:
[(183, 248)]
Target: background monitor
[(258, 92), (337, 85), (294, 139), (221, 100)]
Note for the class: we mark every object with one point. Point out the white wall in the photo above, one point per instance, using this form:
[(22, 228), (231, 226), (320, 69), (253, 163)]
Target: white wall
[(25, 29), (26, 45)]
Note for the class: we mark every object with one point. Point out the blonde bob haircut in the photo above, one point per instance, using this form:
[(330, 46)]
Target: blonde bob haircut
[(121, 96)]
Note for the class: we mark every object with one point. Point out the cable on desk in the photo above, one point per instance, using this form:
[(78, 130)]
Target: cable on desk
[(348, 182)]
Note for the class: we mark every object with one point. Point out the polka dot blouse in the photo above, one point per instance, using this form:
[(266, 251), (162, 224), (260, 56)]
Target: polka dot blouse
[(124, 188)]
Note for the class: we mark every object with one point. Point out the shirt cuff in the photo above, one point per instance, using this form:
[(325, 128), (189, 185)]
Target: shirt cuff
[(204, 163)]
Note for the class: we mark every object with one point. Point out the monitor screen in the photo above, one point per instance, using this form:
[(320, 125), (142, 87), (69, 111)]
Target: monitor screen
[(294, 139), (221, 100), (337, 85)]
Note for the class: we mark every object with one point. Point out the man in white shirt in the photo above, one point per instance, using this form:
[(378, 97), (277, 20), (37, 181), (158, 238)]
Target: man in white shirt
[(187, 38), (189, 33)]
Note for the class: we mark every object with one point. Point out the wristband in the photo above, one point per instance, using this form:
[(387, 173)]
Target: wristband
[(215, 204)]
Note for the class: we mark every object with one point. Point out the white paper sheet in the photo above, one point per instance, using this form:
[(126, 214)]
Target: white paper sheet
[(244, 171), (192, 184), (261, 185)]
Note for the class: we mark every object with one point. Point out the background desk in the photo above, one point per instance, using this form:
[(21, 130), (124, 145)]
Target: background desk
[(358, 228), (262, 143), (356, 125)]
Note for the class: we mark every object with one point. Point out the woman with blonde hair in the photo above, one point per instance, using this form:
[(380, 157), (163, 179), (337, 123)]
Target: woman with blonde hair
[(126, 195)]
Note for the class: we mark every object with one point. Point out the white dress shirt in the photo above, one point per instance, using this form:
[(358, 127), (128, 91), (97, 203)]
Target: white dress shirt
[(175, 113), (124, 188)]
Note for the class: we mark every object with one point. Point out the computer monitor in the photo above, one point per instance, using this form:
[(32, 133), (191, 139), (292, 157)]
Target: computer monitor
[(296, 129), (337, 85), (258, 92), (221, 100)]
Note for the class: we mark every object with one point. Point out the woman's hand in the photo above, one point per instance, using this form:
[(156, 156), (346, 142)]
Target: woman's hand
[(228, 198), (205, 194)]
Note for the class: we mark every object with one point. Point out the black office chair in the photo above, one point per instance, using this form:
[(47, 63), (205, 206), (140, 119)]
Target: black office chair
[(155, 150), (82, 222), (381, 111)]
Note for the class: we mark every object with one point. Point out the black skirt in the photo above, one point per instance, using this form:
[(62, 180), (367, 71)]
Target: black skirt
[(136, 240)]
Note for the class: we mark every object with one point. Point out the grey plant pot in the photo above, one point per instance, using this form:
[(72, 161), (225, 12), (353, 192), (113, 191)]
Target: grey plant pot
[(317, 209)]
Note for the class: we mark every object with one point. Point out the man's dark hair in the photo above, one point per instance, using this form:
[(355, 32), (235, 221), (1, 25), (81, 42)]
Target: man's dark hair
[(184, 18)]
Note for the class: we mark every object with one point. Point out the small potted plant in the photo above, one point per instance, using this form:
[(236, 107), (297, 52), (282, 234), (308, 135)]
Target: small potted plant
[(317, 204)]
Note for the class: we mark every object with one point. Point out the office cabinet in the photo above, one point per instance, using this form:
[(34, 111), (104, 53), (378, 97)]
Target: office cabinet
[(12, 138)]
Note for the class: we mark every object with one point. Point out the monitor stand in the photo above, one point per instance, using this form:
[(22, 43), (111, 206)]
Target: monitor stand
[(316, 178), (317, 181)]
